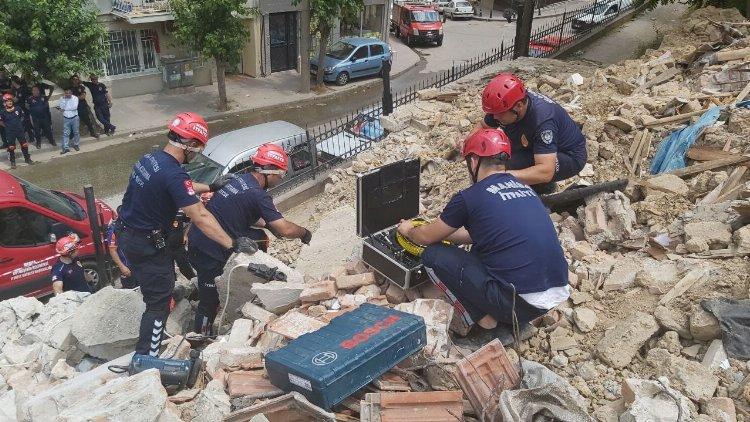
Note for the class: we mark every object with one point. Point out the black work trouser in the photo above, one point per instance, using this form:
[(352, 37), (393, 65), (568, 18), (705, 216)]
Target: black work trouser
[(9, 143), (43, 126), (84, 113), (103, 115), (208, 268), (154, 270)]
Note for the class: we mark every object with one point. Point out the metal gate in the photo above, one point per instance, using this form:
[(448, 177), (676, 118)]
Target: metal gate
[(282, 28)]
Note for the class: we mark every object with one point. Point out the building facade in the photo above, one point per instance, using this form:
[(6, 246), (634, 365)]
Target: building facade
[(144, 56)]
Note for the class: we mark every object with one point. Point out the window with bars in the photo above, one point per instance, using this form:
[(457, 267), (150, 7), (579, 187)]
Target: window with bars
[(131, 51)]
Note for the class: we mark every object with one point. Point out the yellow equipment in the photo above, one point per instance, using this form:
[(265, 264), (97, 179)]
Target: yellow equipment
[(409, 246)]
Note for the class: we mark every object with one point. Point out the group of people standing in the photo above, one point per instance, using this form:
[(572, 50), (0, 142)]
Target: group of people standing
[(25, 113)]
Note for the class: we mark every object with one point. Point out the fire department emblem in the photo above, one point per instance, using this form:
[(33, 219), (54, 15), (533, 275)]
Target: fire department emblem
[(546, 136)]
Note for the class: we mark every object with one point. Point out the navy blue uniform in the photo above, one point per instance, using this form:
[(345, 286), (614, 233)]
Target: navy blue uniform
[(22, 93), (237, 206), (14, 131), (71, 275), (515, 251), (84, 111), (101, 104), (545, 129), (158, 187), (41, 118), (111, 241)]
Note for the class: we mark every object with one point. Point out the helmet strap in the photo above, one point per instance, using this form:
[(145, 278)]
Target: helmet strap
[(182, 146), (473, 173)]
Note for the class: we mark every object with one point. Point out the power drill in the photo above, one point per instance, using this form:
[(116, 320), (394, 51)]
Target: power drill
[(176, 373)]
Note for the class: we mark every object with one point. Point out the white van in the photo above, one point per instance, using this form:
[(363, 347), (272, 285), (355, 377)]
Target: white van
[(599, 13)]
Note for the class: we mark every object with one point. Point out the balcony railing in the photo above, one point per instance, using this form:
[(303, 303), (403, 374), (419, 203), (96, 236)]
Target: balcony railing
[(142, 10)]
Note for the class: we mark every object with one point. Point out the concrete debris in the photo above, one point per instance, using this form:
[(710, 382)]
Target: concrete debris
[(437, 316), (181, 318), (620, 344), (585, 319), (257, 313), (293, 324), (62, 370), (667, 183), (355, 281), (719, 409), (704, 326), (653, 400), (334, 241), (693, 379), (741, 238), (715, 357), (278, 296), (212, 403), (106, 325), (717, 235)]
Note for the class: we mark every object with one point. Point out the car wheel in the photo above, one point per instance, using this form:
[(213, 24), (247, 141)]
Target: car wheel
[(342, 78), (97, 282), (440, 42)]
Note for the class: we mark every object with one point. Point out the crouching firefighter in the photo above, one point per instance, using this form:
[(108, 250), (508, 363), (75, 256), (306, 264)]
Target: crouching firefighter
[(158, 187), (516, 270), (242, 203), (12, 119)]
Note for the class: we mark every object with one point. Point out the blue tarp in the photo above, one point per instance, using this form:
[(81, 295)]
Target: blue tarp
[(671, 153)]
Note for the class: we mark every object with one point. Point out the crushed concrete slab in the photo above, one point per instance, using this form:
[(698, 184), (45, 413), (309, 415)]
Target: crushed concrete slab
[(704, 326), (212, 403), (672, 320), (106, 325), (243, 281), (720, 409), (355, 281), (623, 275), (657, 276), (257, 313), (277, 296), (716, 357), (293, 324), (335, 240), (138, 398), (620, 344), (437, 315), (241, 331), (667, 183), (693, 379), (585, 319), (741, 238), (716, 234), (650, 400)]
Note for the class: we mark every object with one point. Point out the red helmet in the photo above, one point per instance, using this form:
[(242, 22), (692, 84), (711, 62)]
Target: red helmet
[(271, 154), (7, 96), (502, 93), (67, 244), (487, 143), (190, 126)]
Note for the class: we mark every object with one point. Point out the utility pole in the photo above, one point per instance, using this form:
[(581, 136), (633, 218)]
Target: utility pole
[(525, 11), (304, 47)]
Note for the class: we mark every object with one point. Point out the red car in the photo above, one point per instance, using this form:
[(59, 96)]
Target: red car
[(413, 22), (546, 45), (31, 220)]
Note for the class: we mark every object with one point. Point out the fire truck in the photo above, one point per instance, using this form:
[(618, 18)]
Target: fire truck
[(417, 22)]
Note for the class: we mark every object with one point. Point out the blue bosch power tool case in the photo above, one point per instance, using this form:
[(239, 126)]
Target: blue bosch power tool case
[(331, 364)]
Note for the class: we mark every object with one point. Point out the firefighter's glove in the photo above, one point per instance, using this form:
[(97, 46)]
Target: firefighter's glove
[(244, 245)]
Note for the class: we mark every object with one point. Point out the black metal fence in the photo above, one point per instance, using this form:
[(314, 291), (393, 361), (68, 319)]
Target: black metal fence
[(340, 140)]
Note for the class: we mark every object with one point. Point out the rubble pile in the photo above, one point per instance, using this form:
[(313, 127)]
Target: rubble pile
[(639, 339)]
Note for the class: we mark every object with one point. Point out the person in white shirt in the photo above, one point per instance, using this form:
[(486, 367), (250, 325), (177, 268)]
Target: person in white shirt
[(69, 106)]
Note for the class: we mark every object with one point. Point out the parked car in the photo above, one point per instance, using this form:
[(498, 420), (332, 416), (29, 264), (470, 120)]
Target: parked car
[(353, 57), (31, 221), (413, 23), (440, 5), (358, 134), (599, 13), (458, 9), (230, 152), (546, 45)]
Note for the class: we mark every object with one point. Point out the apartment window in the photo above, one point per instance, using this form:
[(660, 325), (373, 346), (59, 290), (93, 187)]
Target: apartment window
[(131, 51)]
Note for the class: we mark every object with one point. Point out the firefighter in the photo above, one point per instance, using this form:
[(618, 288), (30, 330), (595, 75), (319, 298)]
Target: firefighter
[(516, 270), (68, 273), (547, 144), (38, 106), (158, 187), (11, 118), (240, 204)]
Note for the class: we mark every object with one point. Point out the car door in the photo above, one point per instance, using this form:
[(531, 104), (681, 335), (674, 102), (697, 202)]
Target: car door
[(377, 55), (359, 61), (27, 251)]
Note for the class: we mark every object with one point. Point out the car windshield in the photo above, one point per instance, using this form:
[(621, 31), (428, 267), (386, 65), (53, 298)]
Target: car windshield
[(203, 169), (424, 16), (53, 201), (340, 50), (598, 10), (463, 4)]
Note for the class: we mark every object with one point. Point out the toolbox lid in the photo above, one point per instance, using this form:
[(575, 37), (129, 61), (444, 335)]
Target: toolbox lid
[(386, 195)]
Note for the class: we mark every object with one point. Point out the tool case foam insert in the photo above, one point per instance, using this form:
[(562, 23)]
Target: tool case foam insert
[(385, 196), (334, 362)]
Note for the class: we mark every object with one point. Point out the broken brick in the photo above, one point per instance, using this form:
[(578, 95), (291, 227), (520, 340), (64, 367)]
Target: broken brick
[(252, 384), (355, 281), (425, 406), (322, 290), (485, 374), (255, 312), (293, 324), (437, 315)]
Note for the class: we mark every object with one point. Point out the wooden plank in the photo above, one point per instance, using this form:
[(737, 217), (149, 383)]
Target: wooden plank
[(674, 119), (635, 144), (693, 277), (727, 55), (730, 195), (701, 153), (721, 253), (643, 153), (725, 189), (711, 165), (741, 96)]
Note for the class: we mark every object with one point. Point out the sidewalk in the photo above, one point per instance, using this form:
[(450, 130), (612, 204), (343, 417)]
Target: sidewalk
[(552, 11), (145, 113)]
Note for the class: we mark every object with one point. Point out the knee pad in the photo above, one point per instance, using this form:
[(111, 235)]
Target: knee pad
[(24, 144), (11, 148)]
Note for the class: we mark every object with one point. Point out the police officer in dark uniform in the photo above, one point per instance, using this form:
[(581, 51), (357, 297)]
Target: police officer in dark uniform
[(84, 111), (5, 88), (240, 204), (38, 106), (11, 118), (102, 102), (21, 92), (158, 187)]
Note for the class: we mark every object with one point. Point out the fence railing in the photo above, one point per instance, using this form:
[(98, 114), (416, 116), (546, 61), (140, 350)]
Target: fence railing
[(341, 139)]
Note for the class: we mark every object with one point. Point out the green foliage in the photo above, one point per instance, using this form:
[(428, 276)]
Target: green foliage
[(52, 38), (214, 28), (323, 12)]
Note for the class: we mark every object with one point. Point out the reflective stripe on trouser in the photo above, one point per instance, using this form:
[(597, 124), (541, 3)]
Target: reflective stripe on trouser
[(10, 145)]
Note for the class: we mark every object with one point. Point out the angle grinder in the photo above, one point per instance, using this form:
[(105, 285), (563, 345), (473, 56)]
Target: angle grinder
[(409, 246), (174, 373)]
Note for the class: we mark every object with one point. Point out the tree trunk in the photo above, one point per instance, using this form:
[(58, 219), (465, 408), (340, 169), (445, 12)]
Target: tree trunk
[(304, 47), (221, 70), (325, 32), (523, 28)]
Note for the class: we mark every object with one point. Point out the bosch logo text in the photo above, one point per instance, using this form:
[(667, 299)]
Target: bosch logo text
[(368, 332)]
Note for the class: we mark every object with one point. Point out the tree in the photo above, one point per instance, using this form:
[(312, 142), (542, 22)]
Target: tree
[(51, 38), (216, 29), (323, 14)]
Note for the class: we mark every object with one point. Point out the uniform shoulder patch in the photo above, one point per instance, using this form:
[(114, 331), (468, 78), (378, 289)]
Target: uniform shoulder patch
[(547, 136), (189, 187)]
